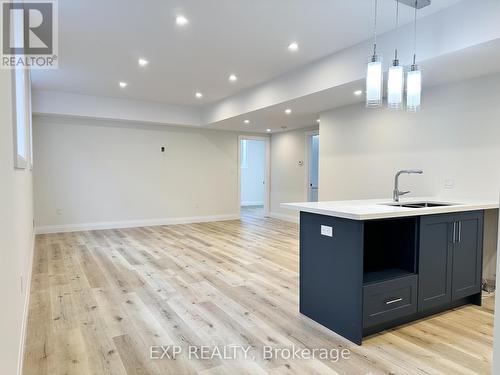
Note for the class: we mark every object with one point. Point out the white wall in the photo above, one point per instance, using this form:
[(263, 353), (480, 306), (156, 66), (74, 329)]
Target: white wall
[(253, 175), (16, 237), (455, 137), (56, 103), (288, 178), (97, 174)]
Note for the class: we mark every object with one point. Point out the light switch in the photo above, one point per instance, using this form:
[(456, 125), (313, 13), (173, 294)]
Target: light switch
[(326, 231), (449, 184)]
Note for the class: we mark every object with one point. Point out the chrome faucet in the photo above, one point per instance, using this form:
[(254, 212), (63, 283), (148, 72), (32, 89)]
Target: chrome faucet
[(397, 193)]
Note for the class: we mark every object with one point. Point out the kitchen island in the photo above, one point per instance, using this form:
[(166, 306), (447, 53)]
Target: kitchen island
[(369, 265)]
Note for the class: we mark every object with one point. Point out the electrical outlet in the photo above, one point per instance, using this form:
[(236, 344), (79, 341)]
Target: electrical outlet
[(326, 231), (59, 211)]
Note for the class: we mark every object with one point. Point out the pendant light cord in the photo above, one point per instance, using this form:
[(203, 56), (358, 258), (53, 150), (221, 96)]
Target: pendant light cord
[(415, 34), (397, 28), (375, 30)]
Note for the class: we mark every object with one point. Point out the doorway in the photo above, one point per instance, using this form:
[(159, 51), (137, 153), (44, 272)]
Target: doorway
[(254, 176), (312, 165)]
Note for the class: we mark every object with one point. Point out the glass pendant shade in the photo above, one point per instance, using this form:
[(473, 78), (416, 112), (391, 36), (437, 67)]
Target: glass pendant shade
[(395, 87), (374, 83), (413, 89)]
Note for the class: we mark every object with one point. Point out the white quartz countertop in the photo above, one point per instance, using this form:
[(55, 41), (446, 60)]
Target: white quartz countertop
[(369, 209)]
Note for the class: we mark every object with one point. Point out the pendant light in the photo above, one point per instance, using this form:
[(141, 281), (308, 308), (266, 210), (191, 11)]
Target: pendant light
[(374, 74), (414, 77), (395, 82)]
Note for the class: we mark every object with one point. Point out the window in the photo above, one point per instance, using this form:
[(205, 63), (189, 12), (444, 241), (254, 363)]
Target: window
[(21, 103), (29, 115), (20, 121), (22, 118)]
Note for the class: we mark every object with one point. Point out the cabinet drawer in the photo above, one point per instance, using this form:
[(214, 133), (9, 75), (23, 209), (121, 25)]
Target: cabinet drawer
[(389, 300)]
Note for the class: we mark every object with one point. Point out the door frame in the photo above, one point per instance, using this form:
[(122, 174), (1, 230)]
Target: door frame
[(308, 136), (267, 173)]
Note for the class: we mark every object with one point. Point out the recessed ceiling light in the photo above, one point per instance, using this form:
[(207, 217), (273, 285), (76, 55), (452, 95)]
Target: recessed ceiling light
[(233, 78), (181, 20), (123, 84), (143, 62), (318, 121), (288, 111), (199, 95), (294, 46), (247, 122), (268, 130), (358, 92)]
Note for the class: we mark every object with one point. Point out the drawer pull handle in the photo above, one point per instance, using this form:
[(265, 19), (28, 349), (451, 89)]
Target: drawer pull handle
[(393, 301)]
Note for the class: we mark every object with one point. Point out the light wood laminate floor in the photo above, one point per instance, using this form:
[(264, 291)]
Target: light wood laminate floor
[(100, 299)]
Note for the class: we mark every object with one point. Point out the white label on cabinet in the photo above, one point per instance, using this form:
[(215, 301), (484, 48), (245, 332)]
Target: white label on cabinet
[(326, 231)]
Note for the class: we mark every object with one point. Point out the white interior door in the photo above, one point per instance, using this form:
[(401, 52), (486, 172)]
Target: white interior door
[(254, 171), (313, 167)]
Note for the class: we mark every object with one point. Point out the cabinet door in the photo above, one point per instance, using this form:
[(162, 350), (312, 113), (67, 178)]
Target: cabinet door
[(467, 255), (435, 261)]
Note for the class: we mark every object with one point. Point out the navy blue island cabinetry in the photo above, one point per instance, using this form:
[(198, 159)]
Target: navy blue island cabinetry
[(359, 277)]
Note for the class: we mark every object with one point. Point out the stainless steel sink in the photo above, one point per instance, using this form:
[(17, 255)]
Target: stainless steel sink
[(419, 204)]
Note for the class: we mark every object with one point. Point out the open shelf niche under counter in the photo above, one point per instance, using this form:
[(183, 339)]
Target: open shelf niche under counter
[(389, 249)]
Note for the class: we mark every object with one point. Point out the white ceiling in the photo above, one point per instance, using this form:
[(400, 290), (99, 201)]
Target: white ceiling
[(100, 42), (307, 109)]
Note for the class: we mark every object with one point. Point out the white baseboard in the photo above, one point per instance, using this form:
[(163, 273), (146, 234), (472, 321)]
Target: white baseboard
[(131, 224), (291, 218), (252, 203), (24, 324)]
